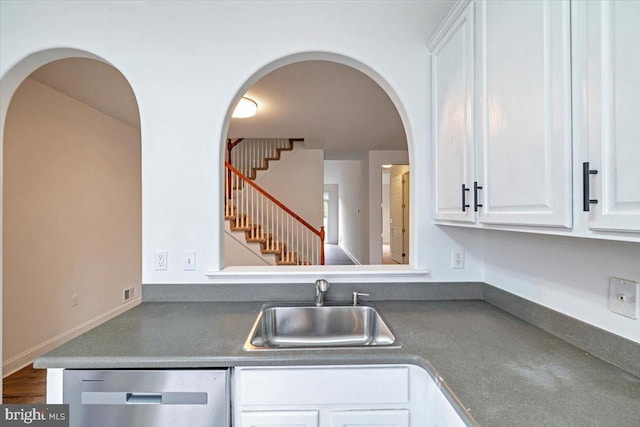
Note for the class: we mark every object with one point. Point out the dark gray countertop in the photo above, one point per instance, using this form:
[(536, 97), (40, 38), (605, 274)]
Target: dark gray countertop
[(504, 371)]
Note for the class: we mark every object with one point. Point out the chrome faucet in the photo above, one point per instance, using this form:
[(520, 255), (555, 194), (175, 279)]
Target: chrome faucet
[(322, 286)]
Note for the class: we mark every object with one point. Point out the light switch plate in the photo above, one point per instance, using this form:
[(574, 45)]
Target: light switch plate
[(189, 261), (623, 297)]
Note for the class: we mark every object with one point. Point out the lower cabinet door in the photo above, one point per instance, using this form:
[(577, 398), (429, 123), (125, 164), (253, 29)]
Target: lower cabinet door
[(279, 419), (370, 418)]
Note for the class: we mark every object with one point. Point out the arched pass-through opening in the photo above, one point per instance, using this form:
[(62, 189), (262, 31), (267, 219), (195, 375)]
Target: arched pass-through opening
[(71, 200), (365, 224)]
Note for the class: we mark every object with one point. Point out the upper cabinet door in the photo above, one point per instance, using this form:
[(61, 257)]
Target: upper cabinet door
[(612, 88), (453, 90), (524, 112)]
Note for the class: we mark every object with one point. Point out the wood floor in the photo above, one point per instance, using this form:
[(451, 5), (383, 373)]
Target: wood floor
[(28, 385)]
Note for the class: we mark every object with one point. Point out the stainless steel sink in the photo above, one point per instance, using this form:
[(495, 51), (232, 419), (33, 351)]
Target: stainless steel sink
[(297, 326)]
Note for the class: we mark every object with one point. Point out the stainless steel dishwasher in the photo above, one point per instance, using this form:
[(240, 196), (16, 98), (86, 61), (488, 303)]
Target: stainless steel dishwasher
[(147, 398)]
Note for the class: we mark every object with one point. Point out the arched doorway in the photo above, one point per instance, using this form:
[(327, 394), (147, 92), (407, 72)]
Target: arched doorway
[(71, 200), (328, 112)]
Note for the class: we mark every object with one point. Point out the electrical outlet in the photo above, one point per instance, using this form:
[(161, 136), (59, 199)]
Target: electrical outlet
[(189, 260), (457, 258), (74, 300), (623, 297), (161, 260)]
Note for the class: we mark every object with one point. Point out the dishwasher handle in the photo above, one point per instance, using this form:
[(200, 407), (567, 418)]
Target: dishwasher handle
[(144, 398)]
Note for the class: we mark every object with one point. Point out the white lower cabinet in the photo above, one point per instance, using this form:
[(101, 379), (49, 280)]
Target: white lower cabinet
[(279, 419), (372, 418), (324, 396), (339, 396), (369, 418)]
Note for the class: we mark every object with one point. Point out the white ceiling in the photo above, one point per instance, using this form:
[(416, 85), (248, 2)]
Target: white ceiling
[(330, 105)]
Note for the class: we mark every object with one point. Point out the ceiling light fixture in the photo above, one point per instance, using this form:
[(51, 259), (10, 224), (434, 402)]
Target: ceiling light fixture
[(246, 108), (387, 166)]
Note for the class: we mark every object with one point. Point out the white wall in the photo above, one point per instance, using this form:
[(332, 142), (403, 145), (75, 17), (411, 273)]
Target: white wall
[(72, 220), (184, 94), (570, 275), (297, 180), (352, 205)]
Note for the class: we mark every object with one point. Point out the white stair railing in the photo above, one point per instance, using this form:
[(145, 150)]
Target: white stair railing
[(267, 221)]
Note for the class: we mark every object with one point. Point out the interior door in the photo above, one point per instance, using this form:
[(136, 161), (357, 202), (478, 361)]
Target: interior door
[(397, 244), (405, 217), (399, 200)]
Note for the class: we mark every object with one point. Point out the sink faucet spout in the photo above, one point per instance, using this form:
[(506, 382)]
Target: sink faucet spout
[(322, 286)]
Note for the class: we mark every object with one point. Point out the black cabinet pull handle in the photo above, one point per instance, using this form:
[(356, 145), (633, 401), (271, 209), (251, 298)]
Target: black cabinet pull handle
[(476, 187), (464, 198), (586, 200)]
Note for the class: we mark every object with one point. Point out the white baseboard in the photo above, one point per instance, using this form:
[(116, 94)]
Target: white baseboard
[(350, 255), (27, 357)]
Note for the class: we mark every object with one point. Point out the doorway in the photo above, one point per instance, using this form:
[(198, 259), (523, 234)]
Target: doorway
[(71, 206), (332, 222), (398, 214), (385, 208)]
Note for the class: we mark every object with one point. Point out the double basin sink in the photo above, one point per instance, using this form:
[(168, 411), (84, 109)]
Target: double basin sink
[(282, 326)]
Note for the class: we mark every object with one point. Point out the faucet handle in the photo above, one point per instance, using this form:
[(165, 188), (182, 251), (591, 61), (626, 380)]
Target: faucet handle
[(322, 285), (356, 295)]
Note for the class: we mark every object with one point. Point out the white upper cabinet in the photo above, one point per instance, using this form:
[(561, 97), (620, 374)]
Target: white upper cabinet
[(524, 113), (452, 91), (536, 117), (607, 92)]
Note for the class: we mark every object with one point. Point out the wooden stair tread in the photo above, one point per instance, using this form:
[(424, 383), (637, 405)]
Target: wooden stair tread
[(256, 239)]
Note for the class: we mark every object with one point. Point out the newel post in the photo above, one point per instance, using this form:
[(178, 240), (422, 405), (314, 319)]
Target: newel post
[(229, 148), (322, 245)]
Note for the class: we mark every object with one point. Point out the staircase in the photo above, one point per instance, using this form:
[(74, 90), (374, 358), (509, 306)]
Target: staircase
[(265, 220), (254, 154)]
